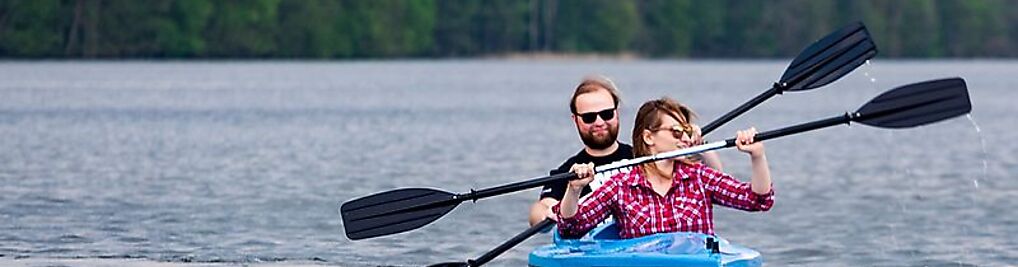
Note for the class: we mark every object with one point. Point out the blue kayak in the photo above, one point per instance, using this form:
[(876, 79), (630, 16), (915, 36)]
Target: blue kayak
[(602, 247)]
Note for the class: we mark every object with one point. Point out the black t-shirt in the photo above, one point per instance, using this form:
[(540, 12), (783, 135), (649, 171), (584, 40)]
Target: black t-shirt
[(558, 190)]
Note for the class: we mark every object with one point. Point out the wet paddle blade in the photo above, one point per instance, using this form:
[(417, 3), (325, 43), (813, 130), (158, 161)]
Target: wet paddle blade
[(394, 211), (916, 104), (829, 58)]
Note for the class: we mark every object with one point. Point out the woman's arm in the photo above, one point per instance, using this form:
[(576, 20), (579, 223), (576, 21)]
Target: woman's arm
[(571, 200), (710, 158), (576, 219), (757, 195), (761, 178)]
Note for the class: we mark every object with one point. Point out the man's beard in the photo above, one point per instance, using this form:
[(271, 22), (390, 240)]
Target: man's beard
[(600, 142)]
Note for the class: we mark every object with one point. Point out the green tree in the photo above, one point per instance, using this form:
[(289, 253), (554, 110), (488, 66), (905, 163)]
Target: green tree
[(32, 28), (667, 28), (423, 28), (975, 28), (595, 25), (390, 28), (795, 23), (307, 29), (710, 28), (184, 36), (242, 28), (502, 26), (455, 28), (922, 36)]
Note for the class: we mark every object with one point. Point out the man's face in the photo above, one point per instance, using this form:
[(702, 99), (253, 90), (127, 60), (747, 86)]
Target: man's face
[(597, 133)]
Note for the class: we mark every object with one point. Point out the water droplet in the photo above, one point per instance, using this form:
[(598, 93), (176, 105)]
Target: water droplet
[(969, 116), (975, 183), (982, 145), (873, 80)]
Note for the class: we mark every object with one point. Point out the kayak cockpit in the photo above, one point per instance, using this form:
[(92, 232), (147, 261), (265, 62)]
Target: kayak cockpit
[(603, 247)]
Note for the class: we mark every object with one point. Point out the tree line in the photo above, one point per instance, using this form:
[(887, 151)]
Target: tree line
[(340, 29)]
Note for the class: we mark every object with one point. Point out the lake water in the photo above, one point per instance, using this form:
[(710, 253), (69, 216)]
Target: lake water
[(237, 163)]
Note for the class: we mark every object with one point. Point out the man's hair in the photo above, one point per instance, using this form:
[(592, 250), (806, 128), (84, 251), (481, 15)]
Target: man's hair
[(592, 84)]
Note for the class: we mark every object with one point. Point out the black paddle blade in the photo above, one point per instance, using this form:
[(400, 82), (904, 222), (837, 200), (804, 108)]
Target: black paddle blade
[(394, 211), (829, 58), (916, 104)]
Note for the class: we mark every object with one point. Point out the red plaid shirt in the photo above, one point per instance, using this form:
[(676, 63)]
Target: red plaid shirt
[(639, 211)]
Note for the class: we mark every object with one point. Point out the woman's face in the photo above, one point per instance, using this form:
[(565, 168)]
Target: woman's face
[(671, 135)]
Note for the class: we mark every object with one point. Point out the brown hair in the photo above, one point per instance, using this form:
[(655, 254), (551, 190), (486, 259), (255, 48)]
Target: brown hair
[(592, 84), (649, 118)]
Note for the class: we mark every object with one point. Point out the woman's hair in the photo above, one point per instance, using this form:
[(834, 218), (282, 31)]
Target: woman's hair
[(649, 117)]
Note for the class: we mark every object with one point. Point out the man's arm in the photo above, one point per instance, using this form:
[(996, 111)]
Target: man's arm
[(541, 210)]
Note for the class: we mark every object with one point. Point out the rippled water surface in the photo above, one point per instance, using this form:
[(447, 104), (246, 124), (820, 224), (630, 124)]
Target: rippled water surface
[(248, 162)]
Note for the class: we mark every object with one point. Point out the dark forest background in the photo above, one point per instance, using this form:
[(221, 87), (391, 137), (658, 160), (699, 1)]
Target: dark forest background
[(343, 29)]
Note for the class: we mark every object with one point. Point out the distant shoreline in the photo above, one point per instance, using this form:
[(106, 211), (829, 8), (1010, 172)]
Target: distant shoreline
[(569, 56), (507, 57)]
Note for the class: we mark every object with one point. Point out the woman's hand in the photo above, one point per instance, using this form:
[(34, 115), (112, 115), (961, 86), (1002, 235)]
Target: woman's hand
[(570, 201), (744, 141), (697, 134), (761, 180), (585, 172)]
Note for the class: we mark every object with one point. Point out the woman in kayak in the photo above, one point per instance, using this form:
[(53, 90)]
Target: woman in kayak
[(672, 195)]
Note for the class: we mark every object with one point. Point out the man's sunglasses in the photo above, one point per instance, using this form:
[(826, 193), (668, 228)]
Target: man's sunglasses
[(591, 117)]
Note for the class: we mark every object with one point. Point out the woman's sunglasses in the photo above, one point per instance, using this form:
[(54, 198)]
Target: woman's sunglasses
[(591, 117), (678, 131)]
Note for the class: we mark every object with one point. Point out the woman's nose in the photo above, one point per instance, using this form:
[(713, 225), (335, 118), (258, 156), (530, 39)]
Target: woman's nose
[(686, 138)]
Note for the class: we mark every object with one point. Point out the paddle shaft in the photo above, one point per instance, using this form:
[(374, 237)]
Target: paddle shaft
[(513, 187), (512, 242), (809, 126), (518, 186), (474, 195), (775, 90)]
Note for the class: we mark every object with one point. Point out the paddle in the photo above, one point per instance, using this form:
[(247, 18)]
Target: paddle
[(819, 64), (406, 209), (903, 107)]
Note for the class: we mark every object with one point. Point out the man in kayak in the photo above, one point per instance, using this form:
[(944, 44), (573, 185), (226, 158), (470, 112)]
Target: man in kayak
[(672, 195), (594, 106)]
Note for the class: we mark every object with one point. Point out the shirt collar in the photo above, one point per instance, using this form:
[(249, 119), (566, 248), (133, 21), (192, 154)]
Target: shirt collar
[(682, 172)]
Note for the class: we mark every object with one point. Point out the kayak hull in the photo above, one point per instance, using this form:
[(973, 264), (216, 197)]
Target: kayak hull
[(602, 247)]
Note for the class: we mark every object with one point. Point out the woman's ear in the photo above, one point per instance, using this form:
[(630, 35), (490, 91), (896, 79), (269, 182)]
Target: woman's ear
[(648, 137)]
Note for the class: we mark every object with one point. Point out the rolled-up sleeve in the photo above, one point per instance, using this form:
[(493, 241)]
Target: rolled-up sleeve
[(590, 212)]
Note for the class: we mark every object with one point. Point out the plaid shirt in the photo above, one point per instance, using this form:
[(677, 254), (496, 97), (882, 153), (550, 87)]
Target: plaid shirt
[(640, 211)]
